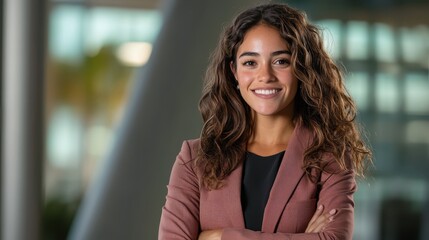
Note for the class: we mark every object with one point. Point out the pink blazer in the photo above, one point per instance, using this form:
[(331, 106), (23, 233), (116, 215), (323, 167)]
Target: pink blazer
[(190, 208)]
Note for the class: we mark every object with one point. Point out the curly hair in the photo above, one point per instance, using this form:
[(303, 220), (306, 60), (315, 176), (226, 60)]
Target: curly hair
[(322, 103)]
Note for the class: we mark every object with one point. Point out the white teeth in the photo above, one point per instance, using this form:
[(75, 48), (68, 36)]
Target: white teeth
[(266, 91)]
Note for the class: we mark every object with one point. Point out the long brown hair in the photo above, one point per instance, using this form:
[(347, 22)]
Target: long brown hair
[(322, 102)]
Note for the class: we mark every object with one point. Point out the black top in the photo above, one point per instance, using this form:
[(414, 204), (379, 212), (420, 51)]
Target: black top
[(258, 178)]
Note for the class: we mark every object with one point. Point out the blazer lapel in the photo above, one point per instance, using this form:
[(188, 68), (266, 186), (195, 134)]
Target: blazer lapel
[(289, 174), (231, 196)]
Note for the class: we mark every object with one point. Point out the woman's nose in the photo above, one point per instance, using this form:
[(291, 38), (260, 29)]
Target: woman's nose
[(265, 73)]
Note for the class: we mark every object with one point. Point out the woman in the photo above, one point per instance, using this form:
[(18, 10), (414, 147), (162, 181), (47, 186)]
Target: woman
[(279, 149)]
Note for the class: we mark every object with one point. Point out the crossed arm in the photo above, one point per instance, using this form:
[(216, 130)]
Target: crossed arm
[(180, 214), (317, 223)]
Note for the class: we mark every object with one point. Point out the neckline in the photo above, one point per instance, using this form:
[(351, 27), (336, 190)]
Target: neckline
[(269, 156)]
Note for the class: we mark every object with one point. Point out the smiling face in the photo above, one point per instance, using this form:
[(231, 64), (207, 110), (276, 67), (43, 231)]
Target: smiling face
[(264, 73)]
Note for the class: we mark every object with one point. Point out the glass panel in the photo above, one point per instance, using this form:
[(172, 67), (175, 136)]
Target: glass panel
[(418, 132), (357, 40), (386, 93), (64, 135), (65, 32), (331, 36), (384, 43), (117, 26), (415, 45), (357, 85), (417, 93)]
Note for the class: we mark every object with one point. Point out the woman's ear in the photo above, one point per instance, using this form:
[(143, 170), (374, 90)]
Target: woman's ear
[(232, 66)]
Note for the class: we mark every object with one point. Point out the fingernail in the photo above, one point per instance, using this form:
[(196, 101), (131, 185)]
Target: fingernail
[(320, 207), (331, 219), (333, 211)]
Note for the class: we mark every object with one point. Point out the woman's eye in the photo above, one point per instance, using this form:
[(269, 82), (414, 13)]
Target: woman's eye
[(282, 61), (249, 63)]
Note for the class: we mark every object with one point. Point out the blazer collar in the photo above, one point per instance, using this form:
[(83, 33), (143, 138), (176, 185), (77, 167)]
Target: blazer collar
[(289, 174), (231, 195)]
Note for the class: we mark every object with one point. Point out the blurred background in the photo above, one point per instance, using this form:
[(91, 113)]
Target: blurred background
[(117, 91)]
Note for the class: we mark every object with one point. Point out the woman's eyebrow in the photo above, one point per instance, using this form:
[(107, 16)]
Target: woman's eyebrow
[(276, 53), (254, 54)]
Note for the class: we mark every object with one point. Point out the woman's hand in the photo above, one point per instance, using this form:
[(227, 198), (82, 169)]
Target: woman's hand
[(320, 220), (211, 235), (317, 223)]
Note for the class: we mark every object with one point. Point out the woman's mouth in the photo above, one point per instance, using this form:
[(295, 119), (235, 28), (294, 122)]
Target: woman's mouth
[(266, 92)]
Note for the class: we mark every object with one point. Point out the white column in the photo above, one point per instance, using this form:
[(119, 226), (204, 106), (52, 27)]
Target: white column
[(22, 126)]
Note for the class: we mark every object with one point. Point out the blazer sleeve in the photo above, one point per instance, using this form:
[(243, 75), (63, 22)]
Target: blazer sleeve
[(180, 214), (336, 192)]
